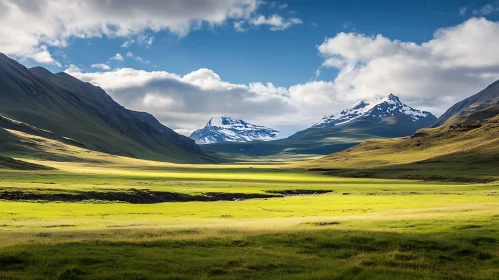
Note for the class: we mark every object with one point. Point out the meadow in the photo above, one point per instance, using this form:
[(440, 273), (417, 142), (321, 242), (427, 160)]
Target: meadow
[(57, 224)]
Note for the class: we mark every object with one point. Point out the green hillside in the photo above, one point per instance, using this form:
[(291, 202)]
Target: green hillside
[(465, 149), (68, 108)]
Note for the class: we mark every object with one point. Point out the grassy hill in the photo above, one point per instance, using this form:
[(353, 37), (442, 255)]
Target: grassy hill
[(466, 149), (66, 107)]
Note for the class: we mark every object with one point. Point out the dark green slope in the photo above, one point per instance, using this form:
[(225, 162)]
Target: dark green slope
[(71, 108), (314, 141)]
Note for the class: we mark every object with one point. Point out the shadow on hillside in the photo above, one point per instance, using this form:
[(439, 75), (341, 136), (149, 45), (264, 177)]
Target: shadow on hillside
[(458, 167)]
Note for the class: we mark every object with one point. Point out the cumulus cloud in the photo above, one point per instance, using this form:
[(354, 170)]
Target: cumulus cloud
[(138, 58), (140, 40), (188, 101), (457, 62), (487, 9), (28, 28), (275, 22), (101, 66), (117, 57)]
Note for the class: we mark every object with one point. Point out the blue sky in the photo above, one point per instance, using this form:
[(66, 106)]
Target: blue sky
[(172, 39), (284, 57)]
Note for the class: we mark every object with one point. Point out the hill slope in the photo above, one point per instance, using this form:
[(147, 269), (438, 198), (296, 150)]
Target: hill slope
[(484, 99), (387, 117), (68, 107), (467, 150), (226, 129)]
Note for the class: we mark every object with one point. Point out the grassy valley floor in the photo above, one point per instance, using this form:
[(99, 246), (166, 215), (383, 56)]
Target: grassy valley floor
[(105, 219)]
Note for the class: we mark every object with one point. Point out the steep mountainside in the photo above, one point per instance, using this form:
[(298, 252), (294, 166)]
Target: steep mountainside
[(226, 129), (484, 99), (387, 117), (70, 108), (381, 110), (465, 150)]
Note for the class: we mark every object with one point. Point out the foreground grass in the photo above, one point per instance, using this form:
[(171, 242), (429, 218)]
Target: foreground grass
[(316, 254), (363, 229)]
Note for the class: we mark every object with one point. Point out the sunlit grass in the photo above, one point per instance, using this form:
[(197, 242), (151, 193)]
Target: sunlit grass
[(364, 228)]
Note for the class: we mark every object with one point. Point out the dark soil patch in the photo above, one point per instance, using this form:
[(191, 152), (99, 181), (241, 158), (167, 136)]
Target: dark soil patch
[(323, 224), (135, 196), (298, 192)]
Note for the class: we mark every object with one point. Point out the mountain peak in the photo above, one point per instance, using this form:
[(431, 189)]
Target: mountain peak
[(393, 97), (377, 110), (227, 129), (224, 121)]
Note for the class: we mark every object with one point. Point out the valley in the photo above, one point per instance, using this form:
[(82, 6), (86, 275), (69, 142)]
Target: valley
[(360, 227), (92, 190)]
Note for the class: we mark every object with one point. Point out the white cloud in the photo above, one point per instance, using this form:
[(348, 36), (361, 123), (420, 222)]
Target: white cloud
[(29, 28), (456, 63), (141, 60), (186, 132), (138, 58), (145, 40), (462, 11), (487, 9), (275, 22), (117, 57), (72, 69), (188, 101), (140, 40), (127, 43), (239, 26), (101, 66)]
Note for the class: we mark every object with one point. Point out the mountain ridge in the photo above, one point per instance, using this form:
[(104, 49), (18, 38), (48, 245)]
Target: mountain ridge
[(71, 108), (323, 140), (479, 101), (227, 129), (392, 105)]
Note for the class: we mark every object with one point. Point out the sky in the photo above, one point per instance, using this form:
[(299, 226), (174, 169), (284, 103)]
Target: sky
[(283, 64)]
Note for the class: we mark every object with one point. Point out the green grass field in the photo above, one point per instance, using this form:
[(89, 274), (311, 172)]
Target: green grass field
[(362, 229)]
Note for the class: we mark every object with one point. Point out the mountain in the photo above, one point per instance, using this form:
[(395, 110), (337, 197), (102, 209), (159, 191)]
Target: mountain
[(484, 99), (466, 149), (226, 129), (386, 117), (383, 109), (64, 106)]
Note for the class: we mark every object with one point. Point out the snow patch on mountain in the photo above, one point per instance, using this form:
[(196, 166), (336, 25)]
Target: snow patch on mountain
[(227, 129), (380, 108)]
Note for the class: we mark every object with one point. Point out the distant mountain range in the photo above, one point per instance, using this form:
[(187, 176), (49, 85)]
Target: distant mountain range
[(226, 129), (64, 109), (68, 108), (463, 147), (386, 117)]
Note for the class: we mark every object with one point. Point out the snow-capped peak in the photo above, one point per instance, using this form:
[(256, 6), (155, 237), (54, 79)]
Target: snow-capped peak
[(379, 108), (227, 129)]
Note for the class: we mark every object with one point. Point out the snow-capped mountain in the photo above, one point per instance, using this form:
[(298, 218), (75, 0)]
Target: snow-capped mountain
[(389, 109), (226, 129)]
